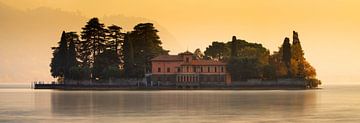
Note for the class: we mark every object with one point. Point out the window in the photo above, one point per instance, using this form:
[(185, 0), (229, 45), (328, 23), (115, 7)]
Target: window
[(209, 69), (187, 69), (215, 69), (222, 69), (178, 69), (187, 59), (201, 69), (168, 70), (194, 69), (159, 69)]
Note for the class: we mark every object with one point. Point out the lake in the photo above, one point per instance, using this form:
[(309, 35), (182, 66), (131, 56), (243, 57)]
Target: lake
[(335, 103)]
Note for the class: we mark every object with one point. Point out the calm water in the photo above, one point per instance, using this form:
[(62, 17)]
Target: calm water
[(331, 104)]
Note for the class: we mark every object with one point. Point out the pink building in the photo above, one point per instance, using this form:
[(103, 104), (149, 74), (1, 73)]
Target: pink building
[(186, 69)]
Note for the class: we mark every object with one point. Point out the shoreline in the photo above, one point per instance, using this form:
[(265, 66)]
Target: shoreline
[(142, 88)]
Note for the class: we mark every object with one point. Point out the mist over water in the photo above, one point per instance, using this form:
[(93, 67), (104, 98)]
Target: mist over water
[(332, 103)]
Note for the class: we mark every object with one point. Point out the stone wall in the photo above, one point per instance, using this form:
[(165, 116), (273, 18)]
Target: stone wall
[(279, 82)]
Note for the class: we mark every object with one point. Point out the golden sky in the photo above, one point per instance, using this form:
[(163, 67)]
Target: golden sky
[(328, 29)]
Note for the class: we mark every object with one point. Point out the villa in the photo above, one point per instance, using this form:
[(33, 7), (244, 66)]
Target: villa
[(187, 70)]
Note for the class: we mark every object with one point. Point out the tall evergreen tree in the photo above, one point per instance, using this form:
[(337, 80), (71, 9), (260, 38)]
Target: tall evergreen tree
[(93, 37), (286, 54), (72, 62), (115, 38), (64, 56), (128, 52), (234, 47), (59, 61), (145, 44), (115, 41), (297, 55)]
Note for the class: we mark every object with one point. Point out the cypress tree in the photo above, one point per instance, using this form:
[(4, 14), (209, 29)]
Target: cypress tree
[(297, 55), (234, 47), (286, 54), (72, 62), (59, 61)]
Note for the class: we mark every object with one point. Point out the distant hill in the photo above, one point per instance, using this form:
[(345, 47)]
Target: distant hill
[(27, 35)]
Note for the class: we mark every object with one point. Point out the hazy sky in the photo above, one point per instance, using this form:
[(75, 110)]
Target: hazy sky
[(328, 29)]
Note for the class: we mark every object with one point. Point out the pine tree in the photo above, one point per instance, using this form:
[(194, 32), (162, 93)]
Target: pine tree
[(115, 38), (93, 42)]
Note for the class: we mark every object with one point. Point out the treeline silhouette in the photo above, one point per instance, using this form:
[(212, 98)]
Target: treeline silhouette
[(103, 53), (253, 61), (106, 53)]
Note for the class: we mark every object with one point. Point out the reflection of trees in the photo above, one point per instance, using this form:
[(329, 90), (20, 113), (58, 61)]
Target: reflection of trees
[(181, 102)]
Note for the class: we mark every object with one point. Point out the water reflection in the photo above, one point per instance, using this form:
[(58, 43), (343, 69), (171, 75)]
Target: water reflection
[(182, 103)]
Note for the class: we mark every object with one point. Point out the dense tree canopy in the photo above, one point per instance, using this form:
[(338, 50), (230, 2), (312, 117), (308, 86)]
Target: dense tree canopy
[(105, 53), (64, 56), (245, 60), (252, 61), (145, 44), (217, 51), (58, 62)]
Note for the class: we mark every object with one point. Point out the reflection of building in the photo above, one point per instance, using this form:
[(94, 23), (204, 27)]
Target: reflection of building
[(186, 69)]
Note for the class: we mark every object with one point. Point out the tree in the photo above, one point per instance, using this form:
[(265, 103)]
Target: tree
[(103, 61), (115, 38), (115, 43), (217, 51), (276, 61), (248, 60), (72, 39), (198, 54), (144, 43), (234, 47), (59, 61), (93, 37), (297, 58), (244, 68), (111, 72), (64, 56), (286, 54), (128, 52)]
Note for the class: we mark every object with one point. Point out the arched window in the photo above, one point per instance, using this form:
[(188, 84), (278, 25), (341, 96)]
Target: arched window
[(159, 69)]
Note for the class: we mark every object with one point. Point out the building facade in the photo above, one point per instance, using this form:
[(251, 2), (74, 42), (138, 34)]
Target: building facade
[(186, 70)]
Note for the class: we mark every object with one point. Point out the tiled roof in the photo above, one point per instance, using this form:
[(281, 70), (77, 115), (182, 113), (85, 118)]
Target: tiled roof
[(167, 58), (204, 62)]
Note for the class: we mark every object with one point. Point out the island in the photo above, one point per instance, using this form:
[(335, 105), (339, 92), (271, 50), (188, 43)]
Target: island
[(105, 58)]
